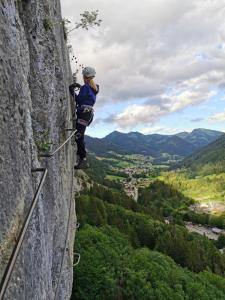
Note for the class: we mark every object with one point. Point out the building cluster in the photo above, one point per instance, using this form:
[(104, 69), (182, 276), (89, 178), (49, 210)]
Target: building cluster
[(130, 189)]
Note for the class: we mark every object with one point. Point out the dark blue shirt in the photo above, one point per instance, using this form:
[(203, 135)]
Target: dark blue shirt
[(86, 96)]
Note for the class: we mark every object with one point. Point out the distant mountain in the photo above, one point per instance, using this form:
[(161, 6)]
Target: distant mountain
[(135, 142), (200, 137), (181, 144), (211, 157), (101, 146)]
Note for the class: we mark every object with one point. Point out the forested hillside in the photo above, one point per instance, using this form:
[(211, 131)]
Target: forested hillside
[(211, 159), (120, 243), (111, 268)]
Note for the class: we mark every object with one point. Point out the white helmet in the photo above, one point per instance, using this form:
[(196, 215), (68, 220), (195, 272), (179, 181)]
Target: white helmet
[(89, 72)]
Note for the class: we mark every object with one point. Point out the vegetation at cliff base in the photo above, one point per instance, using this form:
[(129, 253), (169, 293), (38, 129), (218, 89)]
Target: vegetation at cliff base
[(128, 254), (111, 268)]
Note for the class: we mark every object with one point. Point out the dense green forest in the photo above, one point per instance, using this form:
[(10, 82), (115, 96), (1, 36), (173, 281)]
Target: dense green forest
[(188, 249), (118, 241), (162, 199), (111, 268)]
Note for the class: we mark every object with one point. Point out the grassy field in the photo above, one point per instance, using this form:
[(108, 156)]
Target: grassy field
[(115, 178), (205, 190), (208, 192), (121, 162)]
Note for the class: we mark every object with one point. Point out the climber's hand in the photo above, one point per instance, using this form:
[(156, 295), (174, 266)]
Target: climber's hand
[(77, 85)]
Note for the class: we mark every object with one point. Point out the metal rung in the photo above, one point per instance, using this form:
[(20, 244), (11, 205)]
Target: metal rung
[(77, 225), (45, 155), (37, 170), (78, 260)]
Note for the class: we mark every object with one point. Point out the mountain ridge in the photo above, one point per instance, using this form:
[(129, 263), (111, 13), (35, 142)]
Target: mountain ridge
[(200, 137), (182, 144)]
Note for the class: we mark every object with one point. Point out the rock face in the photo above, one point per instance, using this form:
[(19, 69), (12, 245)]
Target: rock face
[(35, 109)]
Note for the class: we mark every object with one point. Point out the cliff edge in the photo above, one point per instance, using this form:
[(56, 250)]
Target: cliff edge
[(35, 111)]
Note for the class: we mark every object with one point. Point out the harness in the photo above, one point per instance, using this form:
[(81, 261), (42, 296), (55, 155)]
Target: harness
[(85, 108), (85, 114)]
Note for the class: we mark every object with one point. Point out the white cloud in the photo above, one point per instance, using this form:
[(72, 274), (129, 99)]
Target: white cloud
[(168, 52), (138, 114), (219, 117), (151, 113), (160, 130)]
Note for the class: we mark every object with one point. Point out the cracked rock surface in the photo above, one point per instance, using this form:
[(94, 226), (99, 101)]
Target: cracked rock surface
[(35, 110)]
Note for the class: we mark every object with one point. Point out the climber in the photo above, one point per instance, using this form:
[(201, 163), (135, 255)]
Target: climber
[(85, 101)]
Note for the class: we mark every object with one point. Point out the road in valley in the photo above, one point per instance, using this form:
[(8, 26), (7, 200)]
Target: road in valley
[(203, 230)]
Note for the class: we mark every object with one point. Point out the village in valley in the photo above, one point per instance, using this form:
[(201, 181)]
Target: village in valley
[(137, 171)]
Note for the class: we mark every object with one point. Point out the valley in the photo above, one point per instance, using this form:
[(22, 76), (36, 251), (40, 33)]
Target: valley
[(136, 205), (198, 175), (137, 171), (205, 187)]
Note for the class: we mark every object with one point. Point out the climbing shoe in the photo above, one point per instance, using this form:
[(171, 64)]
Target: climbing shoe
[(82, 164)]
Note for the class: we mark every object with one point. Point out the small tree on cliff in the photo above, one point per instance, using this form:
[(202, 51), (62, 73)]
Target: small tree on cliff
[(88, 20)]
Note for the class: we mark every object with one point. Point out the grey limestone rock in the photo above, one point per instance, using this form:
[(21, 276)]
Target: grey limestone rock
[(34, 102)]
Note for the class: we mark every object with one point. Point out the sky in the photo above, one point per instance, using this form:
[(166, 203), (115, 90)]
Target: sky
[(160, 64)]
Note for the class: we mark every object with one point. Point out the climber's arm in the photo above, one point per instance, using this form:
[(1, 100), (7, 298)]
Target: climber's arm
[(72, 90)]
